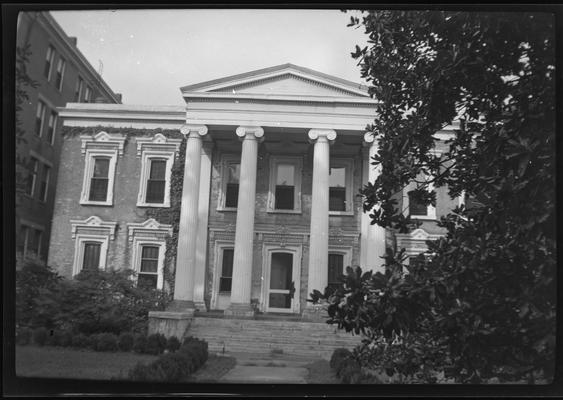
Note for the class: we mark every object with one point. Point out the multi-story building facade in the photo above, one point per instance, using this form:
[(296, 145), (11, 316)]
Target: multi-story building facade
[(245, 199), (62, 75)]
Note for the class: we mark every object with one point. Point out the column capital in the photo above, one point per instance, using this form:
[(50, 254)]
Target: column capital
[(188, 130), (256, 131), (325, 134), (369, 139)]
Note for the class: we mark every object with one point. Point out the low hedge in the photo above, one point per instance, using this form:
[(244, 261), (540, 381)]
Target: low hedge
[(174, 366), (348, 369)]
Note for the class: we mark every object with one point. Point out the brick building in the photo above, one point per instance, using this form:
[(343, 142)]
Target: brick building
[(63, 75), (244, 199)]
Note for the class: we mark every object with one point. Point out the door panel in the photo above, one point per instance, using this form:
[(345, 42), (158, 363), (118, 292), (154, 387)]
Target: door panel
[(280, 293)]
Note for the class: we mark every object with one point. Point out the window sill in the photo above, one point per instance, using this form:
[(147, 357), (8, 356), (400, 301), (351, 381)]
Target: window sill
[(96, 203), (424, 217), (223, 209), (270, 211), (341, 213), (154, 205)]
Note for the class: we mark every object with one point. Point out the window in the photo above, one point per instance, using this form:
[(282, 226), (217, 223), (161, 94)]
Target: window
[(414, 208), (148, 270), (39, 118), (285, 184), (51, 127), (340, 187), (156, 183), (92, 237), (49, 62), (225, 281), (335, 269), (157, 157), (44, 183), (60, 73), (101, 152), (88, 95), (91, 261), (230, 183), (78, 90), (32, 177), (100, 179), (30, 241)]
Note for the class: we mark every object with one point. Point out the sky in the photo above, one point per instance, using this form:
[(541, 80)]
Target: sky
[(147, 55)]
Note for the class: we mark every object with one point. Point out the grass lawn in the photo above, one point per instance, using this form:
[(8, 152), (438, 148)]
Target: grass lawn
[(58, 362)]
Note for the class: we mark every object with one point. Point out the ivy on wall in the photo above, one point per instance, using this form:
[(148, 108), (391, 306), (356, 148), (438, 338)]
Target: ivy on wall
[(165, 215)]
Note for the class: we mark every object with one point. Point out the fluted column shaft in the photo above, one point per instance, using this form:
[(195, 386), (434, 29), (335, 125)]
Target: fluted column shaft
[(318, 244), (244, 234), (187, 235), (375, 242)]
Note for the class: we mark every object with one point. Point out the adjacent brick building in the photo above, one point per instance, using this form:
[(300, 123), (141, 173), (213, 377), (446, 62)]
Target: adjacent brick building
[(244, 199), (62, 75)]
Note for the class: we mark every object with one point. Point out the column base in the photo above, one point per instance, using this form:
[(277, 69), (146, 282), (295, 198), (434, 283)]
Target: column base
[(170, 323), (315, 313), (182, 306), (240, 310)]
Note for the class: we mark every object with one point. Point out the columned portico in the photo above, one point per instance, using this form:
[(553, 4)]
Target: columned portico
[(373, 236), (188, 229), (318, 243), (244, 234)]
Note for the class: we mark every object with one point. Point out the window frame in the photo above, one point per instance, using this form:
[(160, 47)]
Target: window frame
[(345, 252), (297, 163), (60, 74), (53, 116), (79, 246), (348, 164), (430, 209), (220, 273), (41, 105), (138, 243), (87, 94), (78, 90), (90, 161), (49, 58), (33, 172), (146, 162), (226, 160), (31, 228), (46, 176)]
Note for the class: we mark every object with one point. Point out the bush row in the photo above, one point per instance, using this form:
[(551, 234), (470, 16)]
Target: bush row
[(173, 366), (347, 368), (151, 344)]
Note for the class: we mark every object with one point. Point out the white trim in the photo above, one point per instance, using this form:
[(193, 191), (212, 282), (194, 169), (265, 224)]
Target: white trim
[(226, 160), (267, 251), (148, 229), (51, 61), (220, 245), (348, 164), (90, 161), (297, 163), (79, 251), (93, 223), (414, 242), (102, 140), (138, 243), (40, 104), (63, 61), (158, 147)]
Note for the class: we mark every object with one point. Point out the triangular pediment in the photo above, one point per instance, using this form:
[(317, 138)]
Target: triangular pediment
[(283, 80)]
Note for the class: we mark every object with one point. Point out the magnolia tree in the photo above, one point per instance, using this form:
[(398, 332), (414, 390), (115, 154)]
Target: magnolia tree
[(483, 306)]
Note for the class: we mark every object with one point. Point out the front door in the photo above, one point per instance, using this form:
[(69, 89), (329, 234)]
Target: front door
[(281, 285)]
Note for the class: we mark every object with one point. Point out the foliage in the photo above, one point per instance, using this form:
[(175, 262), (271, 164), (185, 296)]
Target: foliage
[(23, 336), (139, 343), (156, 344), (172, 344), (175, 366), (483, 305), (40, 336), (125, 341), (81, 341), (348, 368), (106, 342)]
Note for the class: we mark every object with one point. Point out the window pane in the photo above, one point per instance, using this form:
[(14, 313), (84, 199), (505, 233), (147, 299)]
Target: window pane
[(91, 256), (337, 199), (285, 175), (416, 208), (279, 300), (101, 168), (335, 269), (158, 169), (98, 189), (150, 252), (233, 173), (225, 280), (155, 191), (149, 259), (337, 177), (32, 176), (281, 271), (147, 281), (225, 284), (285, 197), (231, 197)]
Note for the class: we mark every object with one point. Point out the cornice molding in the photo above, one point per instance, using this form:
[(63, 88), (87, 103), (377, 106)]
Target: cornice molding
[(93, 223)]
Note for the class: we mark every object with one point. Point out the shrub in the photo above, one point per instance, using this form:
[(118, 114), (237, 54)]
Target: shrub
[(338, 357), (65, 339), (52, 338), (40, 336), (173, 367), (81, 341), (172, 344), (125, 341), (153, 344), (345, 366), (106, 342), (140, 343), (23, 336)]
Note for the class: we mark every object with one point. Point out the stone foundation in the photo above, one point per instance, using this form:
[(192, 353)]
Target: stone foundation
[(170, 323)]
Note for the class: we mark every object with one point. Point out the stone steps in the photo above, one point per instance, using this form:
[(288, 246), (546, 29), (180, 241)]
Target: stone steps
[(298, 338)]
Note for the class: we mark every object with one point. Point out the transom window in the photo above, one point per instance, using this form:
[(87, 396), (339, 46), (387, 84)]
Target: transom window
[(49, 62), (226, 279), (100, 179), (148, 269)]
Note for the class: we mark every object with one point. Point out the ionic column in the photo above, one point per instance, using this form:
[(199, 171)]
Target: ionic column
[(244, 234), (187, 235), (373, 236), (318, 243)]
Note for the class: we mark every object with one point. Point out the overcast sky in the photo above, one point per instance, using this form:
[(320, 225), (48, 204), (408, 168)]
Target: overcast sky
[(148, 55)]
